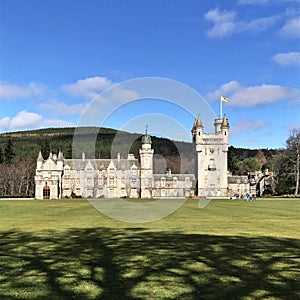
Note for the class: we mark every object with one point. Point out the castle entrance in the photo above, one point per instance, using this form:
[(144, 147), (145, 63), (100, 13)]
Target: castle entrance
[(46, 192)]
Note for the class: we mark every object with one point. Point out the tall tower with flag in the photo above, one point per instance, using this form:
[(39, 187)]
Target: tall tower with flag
[(211, 158)]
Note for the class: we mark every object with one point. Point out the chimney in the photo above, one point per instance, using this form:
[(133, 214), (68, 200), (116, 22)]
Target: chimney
[(83, 156)]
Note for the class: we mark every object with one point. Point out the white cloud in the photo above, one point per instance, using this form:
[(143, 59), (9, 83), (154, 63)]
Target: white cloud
[(287, 59), (225, 24), (242, 96), (61, 108), (22, 120), (247, 125), (260, 24), (123, 95), (10, 91), (291, 28), (88, 87)]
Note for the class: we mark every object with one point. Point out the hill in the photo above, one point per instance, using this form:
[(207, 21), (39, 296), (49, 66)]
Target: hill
[(108, 142)]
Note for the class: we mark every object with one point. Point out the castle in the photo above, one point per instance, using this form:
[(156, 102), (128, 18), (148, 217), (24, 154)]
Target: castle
[(57, 177)]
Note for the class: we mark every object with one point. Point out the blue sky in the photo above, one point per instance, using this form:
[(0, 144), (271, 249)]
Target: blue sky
[(56, 56)]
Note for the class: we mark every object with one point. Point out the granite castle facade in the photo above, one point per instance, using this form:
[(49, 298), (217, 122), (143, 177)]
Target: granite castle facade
[(57, 177)]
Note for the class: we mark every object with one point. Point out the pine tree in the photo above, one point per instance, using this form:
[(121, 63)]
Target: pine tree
[(45, 149), (8, 152), (68, 151)]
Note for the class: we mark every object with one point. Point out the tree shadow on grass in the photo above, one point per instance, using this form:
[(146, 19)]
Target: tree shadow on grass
[(109, 263)]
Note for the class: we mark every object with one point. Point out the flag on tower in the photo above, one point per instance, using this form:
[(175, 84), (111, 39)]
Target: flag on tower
[(224, 99)]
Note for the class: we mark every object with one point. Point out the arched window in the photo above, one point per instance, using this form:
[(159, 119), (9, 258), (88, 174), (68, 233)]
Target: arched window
[(46, 192), (212, 165)]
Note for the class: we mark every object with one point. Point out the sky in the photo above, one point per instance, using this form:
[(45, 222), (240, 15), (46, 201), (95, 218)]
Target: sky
[(57, 57)]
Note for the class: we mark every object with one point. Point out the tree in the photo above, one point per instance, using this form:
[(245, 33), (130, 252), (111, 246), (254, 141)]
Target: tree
[(260, 159), (45, 149), (68, 151), (293, 156), (1, 156), (8, 151)]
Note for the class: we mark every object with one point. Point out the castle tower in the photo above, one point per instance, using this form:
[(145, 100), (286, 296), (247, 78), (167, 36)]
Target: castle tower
[(211, 158), (146, 157), (48, 177)]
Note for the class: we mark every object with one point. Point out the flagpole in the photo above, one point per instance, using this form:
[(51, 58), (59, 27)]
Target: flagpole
[(221, 108)]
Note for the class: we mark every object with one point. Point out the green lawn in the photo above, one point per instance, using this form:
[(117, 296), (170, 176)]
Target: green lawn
[(231, 249)]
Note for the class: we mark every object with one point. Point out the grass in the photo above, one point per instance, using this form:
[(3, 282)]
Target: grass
[(231, 249)]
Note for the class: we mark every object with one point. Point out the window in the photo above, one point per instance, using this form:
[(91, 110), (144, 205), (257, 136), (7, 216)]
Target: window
[(212, 165), (67, 170), (111, 181), (101, 181), (89, 181), (46, 192), (89, 171)]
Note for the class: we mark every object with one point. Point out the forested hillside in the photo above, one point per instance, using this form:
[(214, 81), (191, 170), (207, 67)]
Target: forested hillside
[(29, 143)]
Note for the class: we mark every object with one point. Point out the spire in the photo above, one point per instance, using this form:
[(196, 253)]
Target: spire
[(198, 122), (225, 122), (146, 139), (194, 126), (40, 156), (60, 156)]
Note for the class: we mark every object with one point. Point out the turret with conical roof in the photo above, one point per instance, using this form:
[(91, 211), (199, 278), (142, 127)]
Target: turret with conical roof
[(197, 130), (40, 157), (146, 157), (198, 122), (225, 123), (225, 129), (40, 160)]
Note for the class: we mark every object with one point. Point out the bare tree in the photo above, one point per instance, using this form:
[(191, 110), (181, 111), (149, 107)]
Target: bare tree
[(17, 177), (293, 156)]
